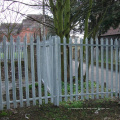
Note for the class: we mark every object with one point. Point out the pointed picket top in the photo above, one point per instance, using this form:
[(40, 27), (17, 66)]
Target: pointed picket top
[(106, 41), (111, 41), (116, 42), (76, 40), (4, 39), (25, 38), (81, 41), (64, 40), (31, 39), (86, 41), (50, 37), (11, 39), (101, 41), (91, 40), (97, 41), (70, 40), (38, 39), (44, 38), (58, 39), (18, 40)]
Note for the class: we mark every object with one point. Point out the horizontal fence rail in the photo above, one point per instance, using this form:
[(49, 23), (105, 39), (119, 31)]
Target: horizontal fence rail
[(48, 70)]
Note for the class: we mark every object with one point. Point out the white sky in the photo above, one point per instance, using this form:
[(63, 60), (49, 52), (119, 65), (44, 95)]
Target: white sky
[(11, 16)]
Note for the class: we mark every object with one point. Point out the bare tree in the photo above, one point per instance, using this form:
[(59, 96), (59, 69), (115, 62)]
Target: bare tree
[(10, 19)]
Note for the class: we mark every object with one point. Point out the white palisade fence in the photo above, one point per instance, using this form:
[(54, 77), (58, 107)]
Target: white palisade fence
[(93, 73)]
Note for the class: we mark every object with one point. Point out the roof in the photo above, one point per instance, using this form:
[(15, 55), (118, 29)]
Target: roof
[(112, 31)]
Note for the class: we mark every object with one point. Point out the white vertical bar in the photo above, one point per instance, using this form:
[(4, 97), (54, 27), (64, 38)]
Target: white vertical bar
[(65, 68), (57, 71), (9, 52), (116, 67), (119, 68), (102, 70), (32, 70), (19, 72), (59, 58), (76, 69), (87, 71), (107, 76), (97, 69), (39, 69), (52, 72), (26, 70), (44, 69), (92, 69), (71, 72), (1, 97), (81, 70), (111, 68), (6, 73), (13, 72)]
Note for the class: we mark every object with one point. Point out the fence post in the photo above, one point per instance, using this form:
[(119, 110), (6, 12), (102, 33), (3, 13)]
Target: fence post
[(38, 69), (13, 71), (1, 96), (26, 70), (19, 72), (32, 69), (6, 73), (56, 73)]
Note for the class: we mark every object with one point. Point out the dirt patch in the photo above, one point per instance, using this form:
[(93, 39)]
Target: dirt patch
[(101, 109)]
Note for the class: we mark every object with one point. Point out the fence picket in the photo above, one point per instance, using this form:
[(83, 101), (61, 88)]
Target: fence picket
[(111, 67), (39, 70), (65, 69), (20, 72), (1, 94), (102, 72), (13, 72), (92, 69), (32, 70), (116, 67), (107, 76), (71, 69), (81, 70), (44, 69), (26, 70), (119, 71), (87, 69), (97, 69), (57, 71), (52, 62), (6, 73), (59, 58), (76, 69)]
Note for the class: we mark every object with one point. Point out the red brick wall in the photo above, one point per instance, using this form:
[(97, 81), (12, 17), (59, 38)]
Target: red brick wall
[(28, 32)]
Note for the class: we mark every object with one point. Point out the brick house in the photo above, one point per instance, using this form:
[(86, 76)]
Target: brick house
[(28, 27)]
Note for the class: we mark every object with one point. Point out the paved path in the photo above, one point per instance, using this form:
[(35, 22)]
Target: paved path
[(84, 69), (104, 75)]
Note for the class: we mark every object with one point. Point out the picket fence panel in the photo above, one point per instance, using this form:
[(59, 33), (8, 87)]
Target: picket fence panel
[(44, 81)]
